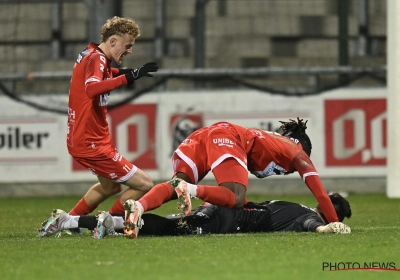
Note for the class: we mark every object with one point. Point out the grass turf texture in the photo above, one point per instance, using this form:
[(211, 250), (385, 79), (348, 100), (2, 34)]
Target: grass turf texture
[(283, 255)]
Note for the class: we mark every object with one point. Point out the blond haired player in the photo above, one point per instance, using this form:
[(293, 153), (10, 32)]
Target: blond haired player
[(88, 137)]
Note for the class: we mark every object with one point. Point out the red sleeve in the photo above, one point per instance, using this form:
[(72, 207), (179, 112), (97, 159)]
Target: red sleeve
[(115, 72), (94, 83), (97, 88), (302, 163)]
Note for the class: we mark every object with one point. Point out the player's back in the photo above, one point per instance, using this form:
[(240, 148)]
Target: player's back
[(270, 153), (284, 214)]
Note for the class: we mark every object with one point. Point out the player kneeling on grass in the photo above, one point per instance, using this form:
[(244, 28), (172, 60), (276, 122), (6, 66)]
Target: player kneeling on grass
[(231, 151), (267, 216)]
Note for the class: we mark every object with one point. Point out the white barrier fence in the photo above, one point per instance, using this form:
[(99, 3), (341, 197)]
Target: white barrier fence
[(347, 128)]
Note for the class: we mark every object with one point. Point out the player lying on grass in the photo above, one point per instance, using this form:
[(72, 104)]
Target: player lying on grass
[(266, 216)]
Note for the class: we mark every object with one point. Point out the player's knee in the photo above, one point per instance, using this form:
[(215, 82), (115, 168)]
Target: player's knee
[(116, 188)]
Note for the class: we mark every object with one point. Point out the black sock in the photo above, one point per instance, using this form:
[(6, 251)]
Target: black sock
[(89, 222)]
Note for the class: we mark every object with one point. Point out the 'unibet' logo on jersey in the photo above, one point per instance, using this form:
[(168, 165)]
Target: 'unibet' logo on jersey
[(223, 142)]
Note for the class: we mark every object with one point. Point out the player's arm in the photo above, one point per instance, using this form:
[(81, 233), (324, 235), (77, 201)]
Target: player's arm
[(115, 72), (307, 171), (94, 72), (312, 223), (309, 222)]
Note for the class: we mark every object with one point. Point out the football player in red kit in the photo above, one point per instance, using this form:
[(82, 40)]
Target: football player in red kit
[(230, 151), (88, 137)]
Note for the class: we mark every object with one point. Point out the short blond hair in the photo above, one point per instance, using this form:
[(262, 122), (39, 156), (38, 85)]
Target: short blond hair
[(119, 26)]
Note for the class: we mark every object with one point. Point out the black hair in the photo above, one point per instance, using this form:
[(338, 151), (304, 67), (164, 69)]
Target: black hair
[(297, 130), (341, 205)]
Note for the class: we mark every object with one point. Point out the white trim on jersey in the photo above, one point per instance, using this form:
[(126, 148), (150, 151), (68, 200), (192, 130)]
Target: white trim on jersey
[(305, 175), (224, 157), (190, 163), (128, 175), (92, 79)]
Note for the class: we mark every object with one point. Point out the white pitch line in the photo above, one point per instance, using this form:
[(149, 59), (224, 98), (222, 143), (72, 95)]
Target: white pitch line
[(377, 228)]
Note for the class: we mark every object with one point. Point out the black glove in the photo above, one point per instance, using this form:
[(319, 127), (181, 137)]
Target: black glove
[(123, 71), (134, 74)]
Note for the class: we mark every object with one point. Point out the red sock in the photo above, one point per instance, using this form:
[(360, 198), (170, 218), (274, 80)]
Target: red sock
[(216, 195), (158, 195), (82, 208), (117, 208)]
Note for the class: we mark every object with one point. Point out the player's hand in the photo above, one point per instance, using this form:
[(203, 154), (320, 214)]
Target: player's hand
[(124, 70), (143, 71), (335, 227)]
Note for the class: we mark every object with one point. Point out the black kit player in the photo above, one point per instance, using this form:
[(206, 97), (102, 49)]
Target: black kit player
[(267, 216)]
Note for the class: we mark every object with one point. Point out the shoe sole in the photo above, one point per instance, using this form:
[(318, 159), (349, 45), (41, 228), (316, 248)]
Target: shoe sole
[(51, 223), (102, 225), (184, 202), (131, 229)]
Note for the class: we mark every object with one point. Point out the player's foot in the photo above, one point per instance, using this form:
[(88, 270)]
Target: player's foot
[(181, 189), (53, 224), (338, 227), (133, 220), (105, 225)]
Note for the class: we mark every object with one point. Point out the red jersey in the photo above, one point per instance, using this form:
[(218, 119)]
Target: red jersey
[(92, 80), (263, 153)]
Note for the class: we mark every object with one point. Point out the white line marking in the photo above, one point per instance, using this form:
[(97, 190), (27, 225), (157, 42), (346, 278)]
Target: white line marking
[(377, 228)]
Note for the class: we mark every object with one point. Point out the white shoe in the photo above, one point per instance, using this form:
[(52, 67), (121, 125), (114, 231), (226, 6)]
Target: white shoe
[(105, 225), (54, 224), (184, 199), (133, 219)]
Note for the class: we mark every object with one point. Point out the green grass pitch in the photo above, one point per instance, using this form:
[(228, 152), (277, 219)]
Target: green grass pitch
[(375, 240)]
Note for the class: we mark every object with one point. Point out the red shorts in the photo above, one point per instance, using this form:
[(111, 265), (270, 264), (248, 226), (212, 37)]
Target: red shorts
[(227, 171), (112, 166), (208, 148)]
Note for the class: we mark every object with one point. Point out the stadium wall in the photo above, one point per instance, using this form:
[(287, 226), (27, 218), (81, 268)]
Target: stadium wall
[(347, 128)]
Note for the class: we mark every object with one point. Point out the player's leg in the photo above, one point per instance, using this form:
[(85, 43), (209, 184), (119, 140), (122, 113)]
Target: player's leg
[(139, 184), (164, 192), (232, 176), (232, 180), (99, 192), (157, 196), (111, 174), (161, 193), (103, 167), (227, 159)]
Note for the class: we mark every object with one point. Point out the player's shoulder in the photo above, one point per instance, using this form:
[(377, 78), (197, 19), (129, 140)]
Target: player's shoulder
[(309, 218), (96, 54), (297, 207)]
